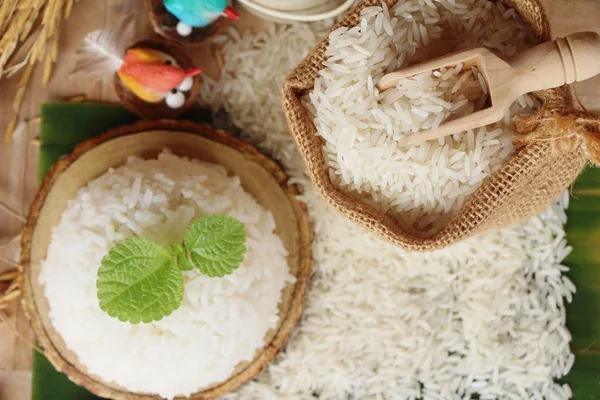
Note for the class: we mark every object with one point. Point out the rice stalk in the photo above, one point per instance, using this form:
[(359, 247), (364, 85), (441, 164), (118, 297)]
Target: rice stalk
[(13, 286), (68, 8), (10, 284), (48, 65), (22, 84), (32, 20), (8, 276), (21, 58), (7, 9), (54, 49), (6, 53), (11, 38), (10, 129), (29, 34), (8, 297)]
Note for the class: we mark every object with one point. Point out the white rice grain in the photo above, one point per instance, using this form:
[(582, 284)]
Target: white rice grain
[(220, 323), (422, 102), (383, 323)]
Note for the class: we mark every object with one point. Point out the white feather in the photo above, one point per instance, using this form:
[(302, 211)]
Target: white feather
[(102, 51)]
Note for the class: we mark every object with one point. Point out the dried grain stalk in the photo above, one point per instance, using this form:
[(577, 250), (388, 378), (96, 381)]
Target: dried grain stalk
[(28, 35), (10, 287)]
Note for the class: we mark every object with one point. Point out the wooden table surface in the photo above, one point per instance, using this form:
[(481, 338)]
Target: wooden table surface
[(18, 159)]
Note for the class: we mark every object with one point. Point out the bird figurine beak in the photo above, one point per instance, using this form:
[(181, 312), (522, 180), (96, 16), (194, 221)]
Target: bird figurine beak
[(230, 13)]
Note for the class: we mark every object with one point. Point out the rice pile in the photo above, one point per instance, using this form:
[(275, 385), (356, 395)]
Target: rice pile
[(220, 323), (485, 316), (422, 186)]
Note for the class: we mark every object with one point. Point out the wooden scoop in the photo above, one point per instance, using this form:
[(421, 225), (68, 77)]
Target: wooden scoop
[(548, 65)]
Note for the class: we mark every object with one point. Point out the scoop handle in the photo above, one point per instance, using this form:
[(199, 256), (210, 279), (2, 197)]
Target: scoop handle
[(562, 61)]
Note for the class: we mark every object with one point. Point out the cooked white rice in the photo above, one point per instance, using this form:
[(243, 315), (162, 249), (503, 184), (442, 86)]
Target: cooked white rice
[(423, 186), (484, 316), (221, 322)]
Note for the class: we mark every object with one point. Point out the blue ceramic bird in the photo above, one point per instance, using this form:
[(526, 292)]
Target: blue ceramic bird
[(198, 13)]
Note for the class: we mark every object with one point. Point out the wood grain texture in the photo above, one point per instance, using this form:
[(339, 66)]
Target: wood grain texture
[(15, 385), (570, 16), (576, 57), (18, 160)]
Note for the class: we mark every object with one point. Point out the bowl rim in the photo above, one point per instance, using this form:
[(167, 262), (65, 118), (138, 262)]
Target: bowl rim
[(288, 321)]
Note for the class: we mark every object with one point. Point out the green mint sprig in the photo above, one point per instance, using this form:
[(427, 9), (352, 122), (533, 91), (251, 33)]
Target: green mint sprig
[(140, 281)]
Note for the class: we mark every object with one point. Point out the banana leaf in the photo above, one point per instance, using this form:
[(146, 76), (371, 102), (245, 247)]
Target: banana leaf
[(583, 314), (66, 124)]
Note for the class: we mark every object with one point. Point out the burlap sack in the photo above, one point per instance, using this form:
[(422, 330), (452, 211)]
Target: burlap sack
[(551, 152)]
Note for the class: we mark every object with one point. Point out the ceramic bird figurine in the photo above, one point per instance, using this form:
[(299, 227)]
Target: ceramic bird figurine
[(198, 13), (153, 76)]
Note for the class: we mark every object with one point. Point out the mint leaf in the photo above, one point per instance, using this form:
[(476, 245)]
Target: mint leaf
[(183, 262), (176, 249), (139, 281), (215, 244)]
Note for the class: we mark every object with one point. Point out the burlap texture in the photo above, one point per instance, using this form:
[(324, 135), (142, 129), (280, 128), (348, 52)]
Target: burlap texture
[(530, 179)]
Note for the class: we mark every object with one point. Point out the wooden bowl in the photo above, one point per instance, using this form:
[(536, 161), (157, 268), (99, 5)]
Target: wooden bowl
[(260, 176), (165, 24), (159, 110)]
